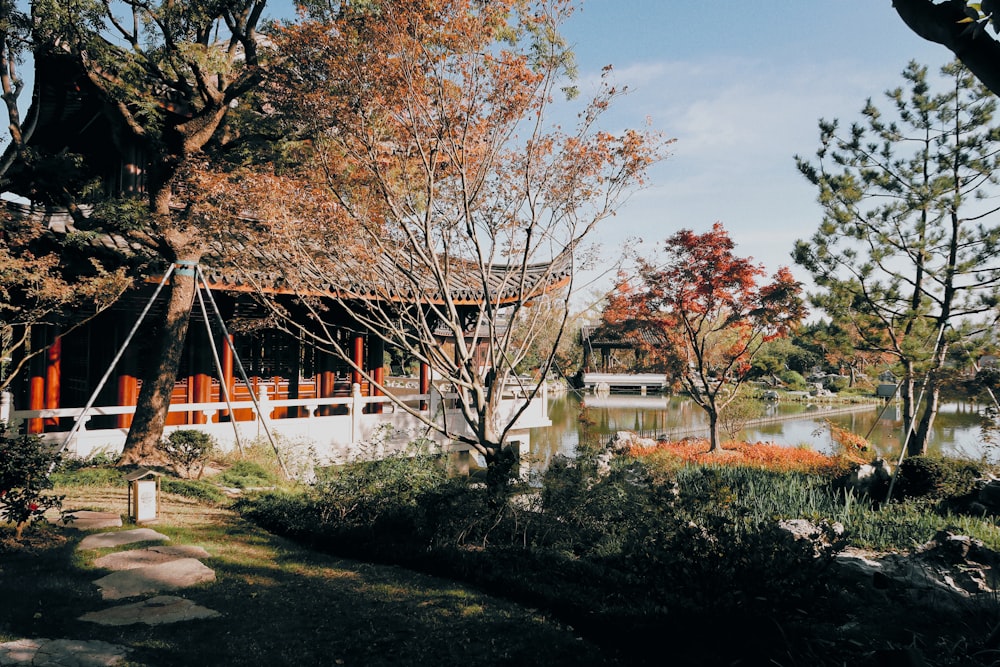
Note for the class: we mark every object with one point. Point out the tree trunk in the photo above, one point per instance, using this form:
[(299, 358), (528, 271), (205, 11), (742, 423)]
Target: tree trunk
[(714, 442), (918, 442), (142, 446)]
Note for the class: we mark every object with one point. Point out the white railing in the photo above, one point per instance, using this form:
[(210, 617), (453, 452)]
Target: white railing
[(329, 433)]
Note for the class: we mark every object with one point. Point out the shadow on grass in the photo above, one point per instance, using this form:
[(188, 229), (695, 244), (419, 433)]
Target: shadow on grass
[(282, 604)]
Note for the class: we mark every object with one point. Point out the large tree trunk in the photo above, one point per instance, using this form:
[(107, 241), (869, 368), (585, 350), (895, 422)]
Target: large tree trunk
[(918, 443), (159, 377)]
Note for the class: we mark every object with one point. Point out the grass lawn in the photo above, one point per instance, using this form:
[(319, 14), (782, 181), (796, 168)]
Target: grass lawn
[(281, 604)]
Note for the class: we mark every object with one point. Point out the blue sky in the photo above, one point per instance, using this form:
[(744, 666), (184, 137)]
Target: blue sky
[(741, 87)]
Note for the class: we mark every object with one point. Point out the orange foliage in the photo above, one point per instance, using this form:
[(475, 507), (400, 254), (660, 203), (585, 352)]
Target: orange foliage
[(851, 445), (766, 455)]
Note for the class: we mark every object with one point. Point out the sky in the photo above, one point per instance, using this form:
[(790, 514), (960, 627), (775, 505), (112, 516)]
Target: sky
[(741, 86)]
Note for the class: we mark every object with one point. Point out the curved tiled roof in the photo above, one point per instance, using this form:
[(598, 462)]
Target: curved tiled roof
[(233, 266)]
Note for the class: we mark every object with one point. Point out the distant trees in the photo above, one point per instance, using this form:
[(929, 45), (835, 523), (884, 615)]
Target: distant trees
[(708, 302), (906, 248)]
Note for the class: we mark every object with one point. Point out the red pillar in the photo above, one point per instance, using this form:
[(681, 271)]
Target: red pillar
[(228, 378), (358, 357), (376, 368), (200, 382), (36, 381), (326, 380), (293, 381), (128, 386), (425, 382), (53, 378)]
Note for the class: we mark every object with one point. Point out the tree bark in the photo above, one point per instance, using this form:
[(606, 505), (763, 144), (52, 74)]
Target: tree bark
[(714, 442), (142, 446), (939, 23), (918, 444)]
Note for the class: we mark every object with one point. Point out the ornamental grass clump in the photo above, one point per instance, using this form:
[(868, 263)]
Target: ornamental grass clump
[(25, 462)]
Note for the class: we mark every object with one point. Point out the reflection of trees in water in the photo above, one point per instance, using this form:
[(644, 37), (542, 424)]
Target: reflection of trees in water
[(957, 431)]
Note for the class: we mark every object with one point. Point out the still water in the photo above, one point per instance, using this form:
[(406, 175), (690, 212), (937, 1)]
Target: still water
[(957, 429)]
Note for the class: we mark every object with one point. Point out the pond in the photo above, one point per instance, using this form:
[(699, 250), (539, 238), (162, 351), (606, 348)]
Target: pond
[(957, 429)]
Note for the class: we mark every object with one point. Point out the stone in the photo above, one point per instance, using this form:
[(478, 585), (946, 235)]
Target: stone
[(169, 576), (155, 611), (61, 653), (623, 441), (989, 496), (117, 539), (869, 477), (87, 520), (823, 536), (135, 558), (949, 573)]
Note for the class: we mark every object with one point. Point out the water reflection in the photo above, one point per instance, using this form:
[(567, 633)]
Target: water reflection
[(957, 429)]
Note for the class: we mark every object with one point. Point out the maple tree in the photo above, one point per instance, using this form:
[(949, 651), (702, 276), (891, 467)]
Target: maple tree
[(905, 251), (427, 122), (708, 302)]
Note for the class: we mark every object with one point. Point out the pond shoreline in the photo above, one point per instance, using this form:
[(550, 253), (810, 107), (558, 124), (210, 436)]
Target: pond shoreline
[(820, 412)]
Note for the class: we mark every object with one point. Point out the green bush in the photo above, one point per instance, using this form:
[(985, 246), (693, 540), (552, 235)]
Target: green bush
[(25, 462), (187, 450), (937, 477), (793, 380)]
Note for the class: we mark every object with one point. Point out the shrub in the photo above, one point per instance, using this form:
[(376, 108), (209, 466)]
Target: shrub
[(25, 462), (937, 477), (793, 380), (187, 450)]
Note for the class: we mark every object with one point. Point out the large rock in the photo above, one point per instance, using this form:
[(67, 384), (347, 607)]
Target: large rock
[(106, 540), (170, 576), (622, 442), (61, 653), (135, 558), (155, 611), (950, 573), (869, 477), (989, 496)]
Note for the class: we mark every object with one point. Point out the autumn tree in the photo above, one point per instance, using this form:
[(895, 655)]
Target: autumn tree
[(428, 123), (169, 75), (709, 302), (906, 248)]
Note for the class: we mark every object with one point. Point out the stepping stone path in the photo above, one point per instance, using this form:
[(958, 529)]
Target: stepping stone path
[(136, 572)]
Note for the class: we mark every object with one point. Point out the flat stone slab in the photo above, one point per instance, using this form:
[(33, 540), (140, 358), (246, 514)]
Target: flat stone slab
[(61, 653), (130, 560), (103, 540), (87, 520), (155, 611), (169, 576)]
